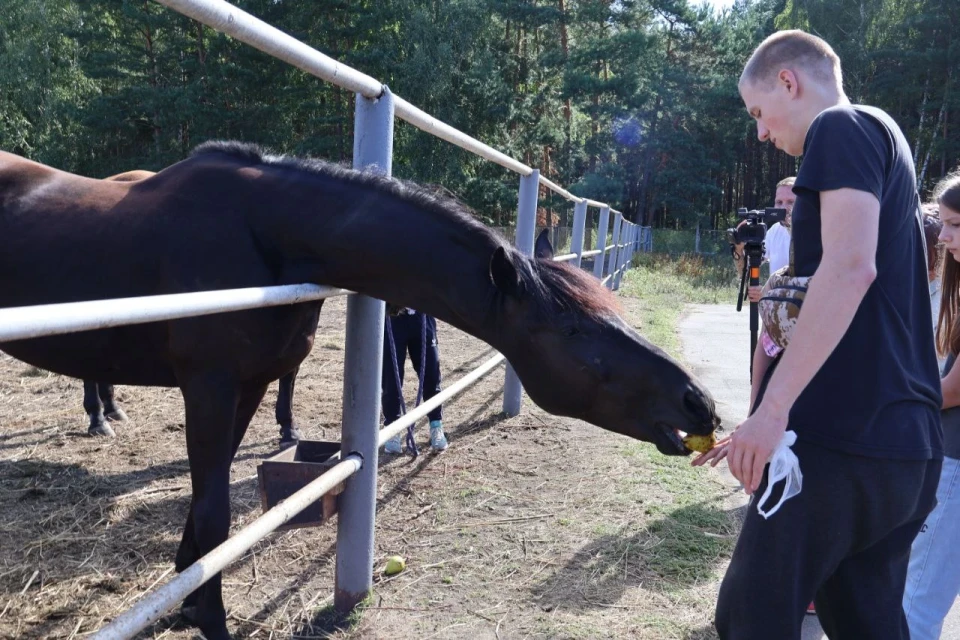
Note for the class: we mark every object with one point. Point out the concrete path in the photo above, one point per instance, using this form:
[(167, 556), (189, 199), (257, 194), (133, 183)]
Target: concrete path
[(716, 344)]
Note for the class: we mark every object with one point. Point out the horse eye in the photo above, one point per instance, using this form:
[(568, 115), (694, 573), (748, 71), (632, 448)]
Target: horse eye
[(568, 332)]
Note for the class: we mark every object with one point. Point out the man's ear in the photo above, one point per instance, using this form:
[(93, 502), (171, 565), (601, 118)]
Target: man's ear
[(788, 80), (542, 249), (504, 273)]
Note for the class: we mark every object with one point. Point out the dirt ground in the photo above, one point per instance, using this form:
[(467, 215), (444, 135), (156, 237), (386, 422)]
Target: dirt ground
[(530, 527)]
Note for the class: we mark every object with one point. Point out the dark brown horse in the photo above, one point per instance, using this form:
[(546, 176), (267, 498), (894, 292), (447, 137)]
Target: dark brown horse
[(101, 405), (230, 217)]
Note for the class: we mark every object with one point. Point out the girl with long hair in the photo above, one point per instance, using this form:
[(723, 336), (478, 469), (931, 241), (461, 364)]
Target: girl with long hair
[(933, 575)]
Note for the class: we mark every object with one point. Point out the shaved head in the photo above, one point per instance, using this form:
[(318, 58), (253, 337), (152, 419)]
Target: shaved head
[(794, 50)]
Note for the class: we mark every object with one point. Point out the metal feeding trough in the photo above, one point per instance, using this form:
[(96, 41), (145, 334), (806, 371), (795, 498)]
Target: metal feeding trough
[(284, 474)]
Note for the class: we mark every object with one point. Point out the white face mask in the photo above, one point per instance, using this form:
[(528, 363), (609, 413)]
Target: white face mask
[(785, 466)]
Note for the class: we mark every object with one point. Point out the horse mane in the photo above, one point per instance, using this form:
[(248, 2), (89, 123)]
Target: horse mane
[(558, 286), (554, 286), (437, 199)]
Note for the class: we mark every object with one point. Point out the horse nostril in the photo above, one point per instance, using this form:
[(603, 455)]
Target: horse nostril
[(696, 403)]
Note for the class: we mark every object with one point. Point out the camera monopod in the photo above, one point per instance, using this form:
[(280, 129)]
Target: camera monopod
[(753, 256)]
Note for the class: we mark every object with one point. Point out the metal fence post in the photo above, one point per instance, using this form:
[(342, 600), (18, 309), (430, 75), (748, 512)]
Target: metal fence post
[(579, 222), (372, 146), (601, 259), (613, 256), (625, 230), (526, 226)]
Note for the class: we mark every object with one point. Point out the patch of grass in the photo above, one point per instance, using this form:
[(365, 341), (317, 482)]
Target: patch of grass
[(35, 372), (693, 542), (693, 532), (328, 621), (664, 284)]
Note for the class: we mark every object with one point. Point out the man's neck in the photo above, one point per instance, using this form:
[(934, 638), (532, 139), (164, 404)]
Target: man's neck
[(820, 99)]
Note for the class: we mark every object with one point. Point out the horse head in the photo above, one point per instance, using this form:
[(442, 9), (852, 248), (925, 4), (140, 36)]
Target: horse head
[(577, 357)]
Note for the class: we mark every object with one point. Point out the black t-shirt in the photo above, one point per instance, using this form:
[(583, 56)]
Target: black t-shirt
[(878, 393)]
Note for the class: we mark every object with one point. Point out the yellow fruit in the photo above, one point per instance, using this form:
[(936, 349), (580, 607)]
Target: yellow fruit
[(700, 444), (395, 564)]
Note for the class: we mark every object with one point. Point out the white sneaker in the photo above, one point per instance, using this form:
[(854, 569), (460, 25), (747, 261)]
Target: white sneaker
[(393, 445), (438, 441)]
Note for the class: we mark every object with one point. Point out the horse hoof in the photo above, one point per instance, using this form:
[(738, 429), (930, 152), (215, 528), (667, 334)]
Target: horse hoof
[(101, 430), (116, 416), (216, 631), (290, 436), (189, 613)]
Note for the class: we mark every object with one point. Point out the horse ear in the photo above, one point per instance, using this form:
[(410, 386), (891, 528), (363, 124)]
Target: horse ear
[(543, 249), (504, 273)]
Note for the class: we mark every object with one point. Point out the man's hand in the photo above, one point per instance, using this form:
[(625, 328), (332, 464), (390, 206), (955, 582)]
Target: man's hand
[(753, 293), (752, 444)]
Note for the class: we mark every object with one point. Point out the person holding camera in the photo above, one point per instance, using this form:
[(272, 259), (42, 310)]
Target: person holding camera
[(777, 241), (858, 382)]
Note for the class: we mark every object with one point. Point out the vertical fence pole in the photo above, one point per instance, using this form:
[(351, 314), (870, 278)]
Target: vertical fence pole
[(627, 244), (625, 232), (614, 253), (372, 146), (601, 259), (579, 221), (526, 225)]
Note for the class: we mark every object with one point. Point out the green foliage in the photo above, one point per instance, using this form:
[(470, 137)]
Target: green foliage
[(632, 102)]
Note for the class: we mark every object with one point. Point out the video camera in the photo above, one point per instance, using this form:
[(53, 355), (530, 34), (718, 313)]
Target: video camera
[(751, 234), (755, 230)]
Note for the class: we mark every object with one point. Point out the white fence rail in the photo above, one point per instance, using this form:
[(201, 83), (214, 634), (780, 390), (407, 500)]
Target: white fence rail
[(18, 323)]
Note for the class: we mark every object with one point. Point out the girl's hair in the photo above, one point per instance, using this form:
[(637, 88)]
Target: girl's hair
[(947, 195)]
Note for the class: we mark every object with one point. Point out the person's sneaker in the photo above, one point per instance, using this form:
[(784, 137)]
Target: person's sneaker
[(811, 610), (393, 445), (438, 441)]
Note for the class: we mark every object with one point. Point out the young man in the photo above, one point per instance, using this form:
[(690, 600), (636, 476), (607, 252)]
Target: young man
[(858, 383), (777, 242)]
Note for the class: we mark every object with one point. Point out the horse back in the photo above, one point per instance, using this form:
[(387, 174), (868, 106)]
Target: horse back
[(66, 238), (131, 176)]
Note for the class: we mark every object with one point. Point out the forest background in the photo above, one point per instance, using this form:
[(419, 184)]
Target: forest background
[(631, 102)]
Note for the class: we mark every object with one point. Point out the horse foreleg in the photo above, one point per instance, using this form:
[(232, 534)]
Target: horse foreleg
[(94, 409), (217, 419), (210, 401), (289, 430), (111, 411)]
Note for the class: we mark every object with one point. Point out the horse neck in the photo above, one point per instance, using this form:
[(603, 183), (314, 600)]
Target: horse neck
[(387, 247)]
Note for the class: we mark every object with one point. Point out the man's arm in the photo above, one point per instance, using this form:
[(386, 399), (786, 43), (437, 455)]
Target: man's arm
[(850, 221)]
